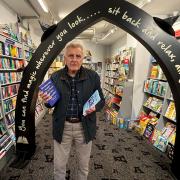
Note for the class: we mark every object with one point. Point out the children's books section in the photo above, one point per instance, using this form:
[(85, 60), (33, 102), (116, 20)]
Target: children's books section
[(116, 76), (157, 119), (15, 52)]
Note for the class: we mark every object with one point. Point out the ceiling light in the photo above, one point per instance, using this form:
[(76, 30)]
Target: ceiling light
[(43, 5), (111, 31)]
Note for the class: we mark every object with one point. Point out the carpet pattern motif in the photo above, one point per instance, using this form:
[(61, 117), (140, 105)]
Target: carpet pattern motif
[(117, 154)]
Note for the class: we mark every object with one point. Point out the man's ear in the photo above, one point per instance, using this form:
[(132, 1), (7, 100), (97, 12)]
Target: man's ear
[(64, 61)]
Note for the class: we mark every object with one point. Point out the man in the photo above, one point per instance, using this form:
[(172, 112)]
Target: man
[(75, 85)]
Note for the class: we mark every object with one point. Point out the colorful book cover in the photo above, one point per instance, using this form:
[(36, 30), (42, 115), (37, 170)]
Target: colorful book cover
[(50, 89), (92, 101)]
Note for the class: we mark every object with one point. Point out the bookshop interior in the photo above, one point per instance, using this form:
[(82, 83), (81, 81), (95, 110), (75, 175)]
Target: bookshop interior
[(136, 129)]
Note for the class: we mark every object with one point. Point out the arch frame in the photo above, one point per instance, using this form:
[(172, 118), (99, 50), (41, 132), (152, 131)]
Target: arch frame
[(130, 18)]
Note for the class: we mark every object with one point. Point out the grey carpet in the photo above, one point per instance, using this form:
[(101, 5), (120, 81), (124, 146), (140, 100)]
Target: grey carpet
[(117, 154)]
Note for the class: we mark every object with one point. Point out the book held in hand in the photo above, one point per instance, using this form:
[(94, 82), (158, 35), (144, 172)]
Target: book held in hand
[(49, 87), (92, 101)]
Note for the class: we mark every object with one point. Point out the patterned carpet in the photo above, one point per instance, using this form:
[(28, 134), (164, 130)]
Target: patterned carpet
[(117, 154)]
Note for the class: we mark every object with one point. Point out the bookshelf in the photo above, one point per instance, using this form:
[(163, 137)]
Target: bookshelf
[(158, 106), (118, 86), (57, 64), (14, 56)]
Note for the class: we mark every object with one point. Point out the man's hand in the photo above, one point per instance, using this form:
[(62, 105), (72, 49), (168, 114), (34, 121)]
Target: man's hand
[(90, 110), (46, 97)]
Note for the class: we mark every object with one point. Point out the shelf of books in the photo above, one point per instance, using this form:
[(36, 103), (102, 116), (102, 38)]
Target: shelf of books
[(157, 119), (117, 73), (14, 51), (96, 66), (57, 64), (11, 61)]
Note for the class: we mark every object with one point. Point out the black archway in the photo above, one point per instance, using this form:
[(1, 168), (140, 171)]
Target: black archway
[(135, 21)]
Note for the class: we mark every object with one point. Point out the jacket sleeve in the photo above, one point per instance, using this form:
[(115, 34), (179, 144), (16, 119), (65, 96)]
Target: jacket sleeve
[(100, 104)]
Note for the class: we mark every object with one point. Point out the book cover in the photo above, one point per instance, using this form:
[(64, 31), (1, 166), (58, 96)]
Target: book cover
[(49, 87), (92, 101)]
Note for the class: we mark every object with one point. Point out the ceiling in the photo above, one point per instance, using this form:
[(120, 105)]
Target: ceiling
[(31, 11)]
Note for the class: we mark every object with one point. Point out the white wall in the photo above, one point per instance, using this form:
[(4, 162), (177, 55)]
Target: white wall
[(97, 51), (35, 38), (131, 41), (118, 45), (141, 69), (7, 15)]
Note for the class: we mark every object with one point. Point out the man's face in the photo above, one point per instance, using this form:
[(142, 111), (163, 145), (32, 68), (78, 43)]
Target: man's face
[(73, 58)]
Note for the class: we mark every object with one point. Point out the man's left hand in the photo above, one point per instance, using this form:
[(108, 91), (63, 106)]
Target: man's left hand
[(90, 110)]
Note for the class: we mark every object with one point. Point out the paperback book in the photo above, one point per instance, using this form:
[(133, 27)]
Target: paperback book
[(92, 101), (49, 87)]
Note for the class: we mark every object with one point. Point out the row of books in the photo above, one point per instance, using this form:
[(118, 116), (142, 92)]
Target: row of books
[(9, 63), (159, 138), (2, 129), (154, 104), (110, 81), (111, 67), (9, 104), (8, 91), (10, 77), (1, 116), (28, 54), (112, 74), (171, 111), (145, 125), (10, 118), (109, 88), (5, 144), (155, 87), (157, 73), (96, 66), (10, 50)]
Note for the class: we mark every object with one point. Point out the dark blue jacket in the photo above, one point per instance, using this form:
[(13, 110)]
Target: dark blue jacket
[(88, 82)]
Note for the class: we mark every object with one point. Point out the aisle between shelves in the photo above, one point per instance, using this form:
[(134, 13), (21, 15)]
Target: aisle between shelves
[(157, 119)]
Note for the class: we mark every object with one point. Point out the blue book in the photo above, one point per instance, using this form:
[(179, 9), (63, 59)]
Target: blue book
[(49, 87), (92, 101)]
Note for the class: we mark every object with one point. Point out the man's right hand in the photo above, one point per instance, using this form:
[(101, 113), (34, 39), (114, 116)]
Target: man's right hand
[(45, 97)]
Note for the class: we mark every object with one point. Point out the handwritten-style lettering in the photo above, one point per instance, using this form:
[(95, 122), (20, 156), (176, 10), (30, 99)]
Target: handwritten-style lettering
[(130, 20), (24, 111), (178, 68), (150, 32), (78, 21), (114, 11), (61, 34), (45, 54), (23, 126), (25, 97), (32, 78), (166, 49)]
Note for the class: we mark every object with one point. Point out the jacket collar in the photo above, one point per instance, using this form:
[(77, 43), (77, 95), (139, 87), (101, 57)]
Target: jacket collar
[(82, 73)]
